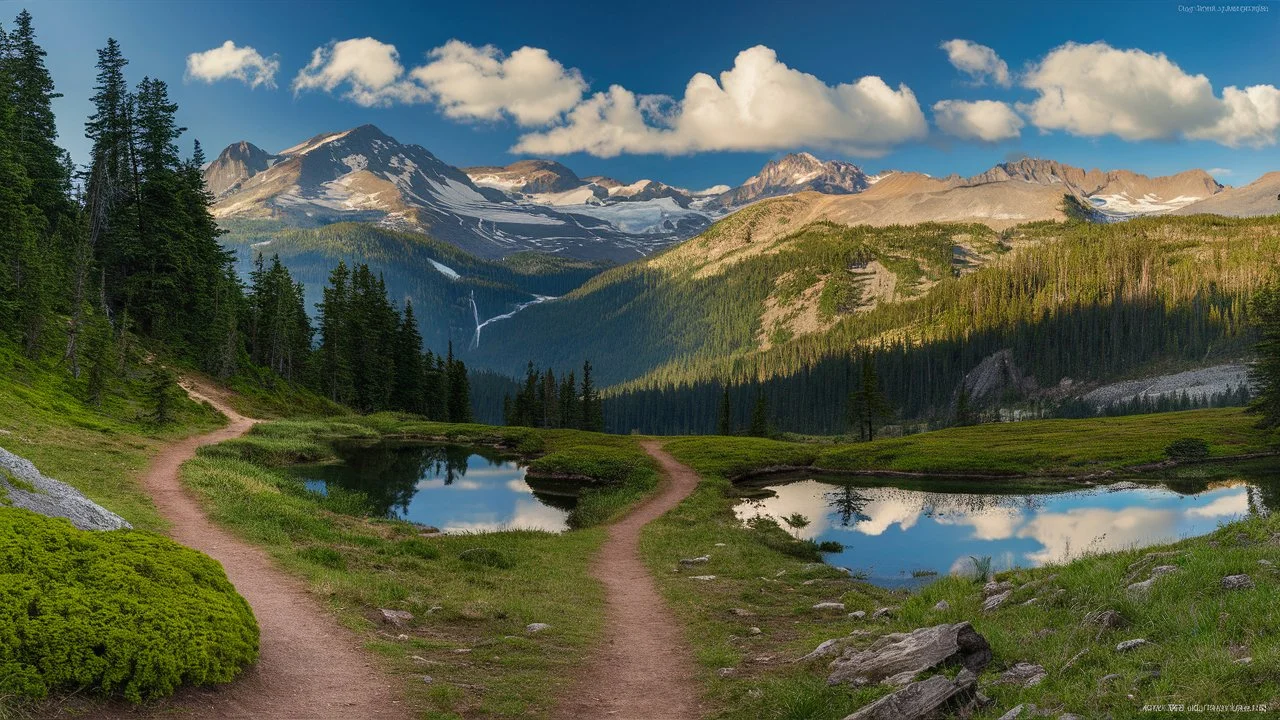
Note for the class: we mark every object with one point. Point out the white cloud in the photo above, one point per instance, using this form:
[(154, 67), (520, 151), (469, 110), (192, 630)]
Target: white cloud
[(479, 83), (978, 61), (229, 62), (1220, 171), (985, 120), (369, 71), (1096, 89), (760, 104)]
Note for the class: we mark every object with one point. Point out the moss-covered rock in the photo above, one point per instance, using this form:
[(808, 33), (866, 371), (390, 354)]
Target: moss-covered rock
[(124, 611)]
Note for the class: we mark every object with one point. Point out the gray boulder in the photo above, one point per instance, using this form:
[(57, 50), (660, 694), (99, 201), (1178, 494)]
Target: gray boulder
[(996, 601), (1237, 582), (914, 652), (924, 699), (1023, 675), (28, 489)]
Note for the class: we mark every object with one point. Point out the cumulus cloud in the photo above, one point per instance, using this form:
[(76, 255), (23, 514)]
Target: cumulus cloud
[(480, 83), (759, 104), (229, 62), (1096, 89), (978, 61), (367, 71), (985, 120)]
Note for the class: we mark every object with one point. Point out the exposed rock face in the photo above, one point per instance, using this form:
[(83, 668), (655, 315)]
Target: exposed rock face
[(794, 173), (235, 164), (1133, 644), (526, 176), (924, 699), (52, 498), (1120, 192), (1260, 197), (996, 601), (1107, 619), (914, 652)]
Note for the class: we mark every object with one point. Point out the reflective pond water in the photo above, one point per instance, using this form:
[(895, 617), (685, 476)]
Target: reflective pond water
[(451, 487), (902, 536)]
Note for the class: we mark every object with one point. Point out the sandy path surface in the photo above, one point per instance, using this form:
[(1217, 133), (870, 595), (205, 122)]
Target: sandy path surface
[(309, 666), (644, 669)]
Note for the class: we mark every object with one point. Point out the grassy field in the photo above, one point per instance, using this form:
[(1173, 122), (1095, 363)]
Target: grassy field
[(471, 595), (98, 450), (765, 583), (1049, 448)]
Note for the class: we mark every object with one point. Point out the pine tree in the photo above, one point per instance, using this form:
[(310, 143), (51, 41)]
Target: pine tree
[(570, 406), (160, 393), (409, 389), (759, 416), (868, 406), (725, 426), (1266, 370), (592, 417)]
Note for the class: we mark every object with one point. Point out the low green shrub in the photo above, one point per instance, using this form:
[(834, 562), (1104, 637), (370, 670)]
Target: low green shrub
[(125, 612), (487, 557), (1189, 448)]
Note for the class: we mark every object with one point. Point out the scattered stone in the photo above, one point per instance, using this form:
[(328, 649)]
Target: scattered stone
[(829, 606), (844, 570), (922, 699), (52, 498), (861, 633), (461, 651), (1069, 716), (1159, 570), (754, 630), (402, 637), (995, 588), (1032, 601), (1237, 582), (1128, 645), (434, 609), (536, 627), (1244, 661), (1106, 680), (917, 651), (397, 618), (703, 578), (742, 612), (726, 672), (884, 612), (1141, 588), (1265, 562), (700, 560), (942, 606), (1014, 713), (1106, 619), (825, 648), (996, 601), (858, 614), (427, 679), (1023, 675)]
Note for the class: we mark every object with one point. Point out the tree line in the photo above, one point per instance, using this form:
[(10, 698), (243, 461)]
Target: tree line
[(125, 249), (543, 402)]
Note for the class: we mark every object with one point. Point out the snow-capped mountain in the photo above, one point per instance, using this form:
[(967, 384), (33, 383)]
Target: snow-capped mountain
[(795, 173), (365, 175), (1115, 193)]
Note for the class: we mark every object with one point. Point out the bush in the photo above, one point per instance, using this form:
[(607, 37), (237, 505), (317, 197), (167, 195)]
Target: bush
[(1187, 449), (125, 612)]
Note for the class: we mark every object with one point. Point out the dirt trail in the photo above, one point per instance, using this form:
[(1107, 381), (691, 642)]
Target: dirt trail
[(644, 670), (309, 666)]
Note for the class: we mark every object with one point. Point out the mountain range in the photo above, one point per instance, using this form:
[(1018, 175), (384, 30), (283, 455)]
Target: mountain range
[(539, 205)]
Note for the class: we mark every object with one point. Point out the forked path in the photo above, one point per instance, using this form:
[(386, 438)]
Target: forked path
[(309, 666), (644, 669)]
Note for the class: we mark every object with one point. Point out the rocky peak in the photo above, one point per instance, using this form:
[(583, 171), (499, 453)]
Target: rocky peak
[(794, 173), (235, 164)]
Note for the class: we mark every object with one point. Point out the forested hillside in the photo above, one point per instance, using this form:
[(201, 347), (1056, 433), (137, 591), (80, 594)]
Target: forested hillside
[(1076, 300), (438, 278)]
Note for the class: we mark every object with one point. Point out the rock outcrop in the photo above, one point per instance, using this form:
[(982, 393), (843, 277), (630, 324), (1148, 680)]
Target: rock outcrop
[(27, 488), (901, 656)]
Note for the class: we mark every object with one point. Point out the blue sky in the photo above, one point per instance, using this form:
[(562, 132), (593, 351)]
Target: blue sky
[(655, 48)]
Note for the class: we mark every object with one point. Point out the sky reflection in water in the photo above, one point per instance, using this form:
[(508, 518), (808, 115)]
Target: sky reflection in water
[(451, 487), (889, 532)]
